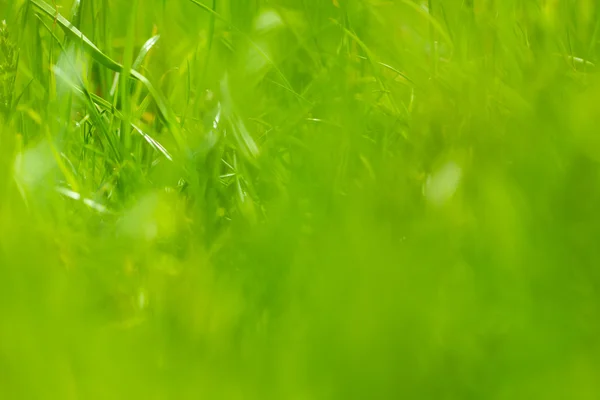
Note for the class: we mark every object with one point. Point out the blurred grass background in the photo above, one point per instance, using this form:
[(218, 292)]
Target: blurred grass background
[(339, 199)]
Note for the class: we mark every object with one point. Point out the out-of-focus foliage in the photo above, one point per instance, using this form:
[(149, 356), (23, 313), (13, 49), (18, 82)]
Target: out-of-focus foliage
[(304, 199)]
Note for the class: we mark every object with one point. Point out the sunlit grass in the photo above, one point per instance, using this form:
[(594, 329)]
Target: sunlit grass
[(306, 199)]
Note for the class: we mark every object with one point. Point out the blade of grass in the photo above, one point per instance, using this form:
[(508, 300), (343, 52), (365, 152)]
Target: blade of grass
[(434, 23), (95, 116), (106, 105), (109, 63), (255, 46), (106, 137), (125, 91), (73, 194), (148, 45)]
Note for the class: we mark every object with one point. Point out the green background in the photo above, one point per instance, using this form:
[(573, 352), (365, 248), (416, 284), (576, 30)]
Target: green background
[(351, 199)]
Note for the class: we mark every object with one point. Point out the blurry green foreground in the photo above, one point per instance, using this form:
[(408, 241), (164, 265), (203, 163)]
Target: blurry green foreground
[(300, 199)]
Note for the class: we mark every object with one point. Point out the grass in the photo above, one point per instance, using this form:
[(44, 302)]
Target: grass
[(308, 199)]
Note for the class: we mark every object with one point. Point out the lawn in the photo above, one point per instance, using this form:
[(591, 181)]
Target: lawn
[(300, 199)]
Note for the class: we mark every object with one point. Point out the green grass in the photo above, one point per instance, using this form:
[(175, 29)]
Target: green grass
[(299, 199)]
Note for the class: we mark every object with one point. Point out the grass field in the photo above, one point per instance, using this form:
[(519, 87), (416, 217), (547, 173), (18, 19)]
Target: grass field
[(299, 199)]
